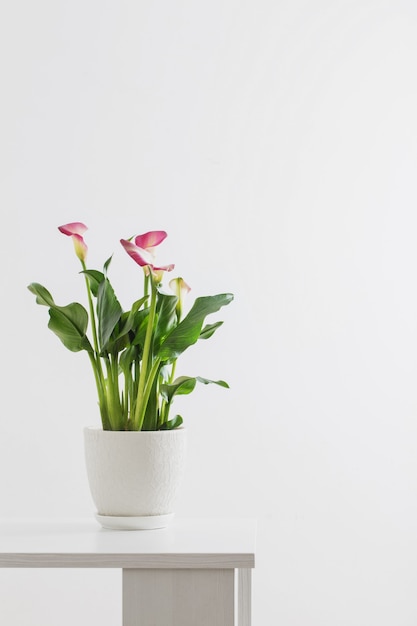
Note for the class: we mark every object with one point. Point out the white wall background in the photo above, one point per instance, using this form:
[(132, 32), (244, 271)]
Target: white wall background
[(276, 142)]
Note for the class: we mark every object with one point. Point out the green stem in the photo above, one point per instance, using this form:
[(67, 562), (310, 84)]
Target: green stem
[(102, 400), (147, 391), (113, 400), (140, 399), (92, 313), (146, 283), (165, 406), (95, 359), (127, 379), (172, 375)]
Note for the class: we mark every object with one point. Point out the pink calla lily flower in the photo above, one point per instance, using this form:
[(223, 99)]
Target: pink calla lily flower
[(142, 251), (76, 231)]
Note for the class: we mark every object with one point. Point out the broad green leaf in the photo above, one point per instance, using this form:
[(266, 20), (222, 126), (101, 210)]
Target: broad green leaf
[(128, 356), (188, 330), (209, 330), (109, 312), (167, 317), (171, 424), (129, 318), (124, 330), (42, 294), (141, 323), (118, 340), (95, 278), (185, 385), (181, 386), (69, 323)]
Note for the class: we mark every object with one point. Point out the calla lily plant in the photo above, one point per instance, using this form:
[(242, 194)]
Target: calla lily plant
[(133, 353)]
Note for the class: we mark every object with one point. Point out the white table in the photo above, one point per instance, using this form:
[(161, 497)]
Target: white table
[(183, 575)]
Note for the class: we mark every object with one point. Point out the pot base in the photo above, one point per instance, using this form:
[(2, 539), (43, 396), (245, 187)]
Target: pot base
[(131, 522)]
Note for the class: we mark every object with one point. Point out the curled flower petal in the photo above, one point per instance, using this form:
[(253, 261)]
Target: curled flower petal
[(139, 255), (158, 272), (75, 228), (151, 239), (179, 287), (164, 268)]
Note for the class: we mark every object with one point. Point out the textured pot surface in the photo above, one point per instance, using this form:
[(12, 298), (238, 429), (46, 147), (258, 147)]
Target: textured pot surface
[(134, 473)]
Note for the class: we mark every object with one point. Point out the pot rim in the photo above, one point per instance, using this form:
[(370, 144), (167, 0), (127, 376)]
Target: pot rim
[(133, 432)]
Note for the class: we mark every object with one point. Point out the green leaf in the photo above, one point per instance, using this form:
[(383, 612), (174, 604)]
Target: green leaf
[(109, 312), (151, 413), (207, 381), (120, 338), (188, 330), (209, 330), (141, 322), (181, 386), (107, 264), (130, 318), (129, 356), (171, 424), (167, 317), (42, 294), (95, 278), (69, 323)]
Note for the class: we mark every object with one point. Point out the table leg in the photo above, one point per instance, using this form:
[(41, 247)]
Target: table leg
[(244, 594), (178, 597)]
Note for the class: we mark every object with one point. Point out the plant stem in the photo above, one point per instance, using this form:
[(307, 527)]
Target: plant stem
[(113, 400), (172, 374), (95, 360), (92, 313), (140, 399), (102, 400), (165, 405), (147, 391)]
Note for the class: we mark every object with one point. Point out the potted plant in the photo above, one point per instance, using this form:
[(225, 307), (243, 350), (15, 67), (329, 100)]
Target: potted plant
[(135, 457)]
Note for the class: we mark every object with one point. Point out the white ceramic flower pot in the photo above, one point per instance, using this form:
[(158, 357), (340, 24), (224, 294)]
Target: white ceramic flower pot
[(134, 477)]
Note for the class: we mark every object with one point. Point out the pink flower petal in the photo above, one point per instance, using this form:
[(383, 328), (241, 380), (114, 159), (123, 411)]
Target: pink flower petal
[(151, 239), (158, 272), (141, 257), (165, 268), (75, 228)]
